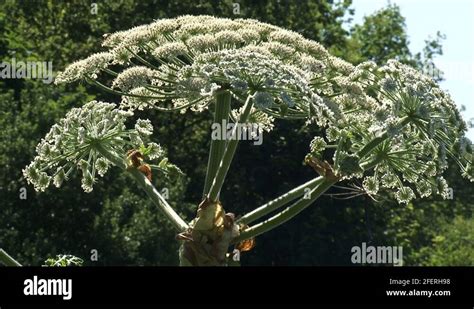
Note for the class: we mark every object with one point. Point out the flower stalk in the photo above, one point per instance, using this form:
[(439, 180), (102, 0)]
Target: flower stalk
[(280, 201), (149, 189), (229, 153), (221, 113), (321, 186)]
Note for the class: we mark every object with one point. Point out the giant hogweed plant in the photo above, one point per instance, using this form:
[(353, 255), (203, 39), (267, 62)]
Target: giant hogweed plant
[(389, 127)]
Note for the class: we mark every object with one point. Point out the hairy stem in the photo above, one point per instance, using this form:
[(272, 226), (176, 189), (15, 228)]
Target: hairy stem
[(288, 212), (7, 260), (149, 189), (221, 113), (280, 201), (229, 153)]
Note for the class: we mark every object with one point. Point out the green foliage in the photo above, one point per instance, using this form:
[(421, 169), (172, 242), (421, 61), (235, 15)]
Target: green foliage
[(63, 261), (453, 246), (383, 36), (384, 28), (416, 225)]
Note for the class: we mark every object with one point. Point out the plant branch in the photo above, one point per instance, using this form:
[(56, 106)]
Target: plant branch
[(288, 212), (229, 153), (280, 201), (149, 189), (221, 113), (7, 260), (321, 184)]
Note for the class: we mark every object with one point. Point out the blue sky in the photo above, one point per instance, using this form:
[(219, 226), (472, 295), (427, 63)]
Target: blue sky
[(455, 19)]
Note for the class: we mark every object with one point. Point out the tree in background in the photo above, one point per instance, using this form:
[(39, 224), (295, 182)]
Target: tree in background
[(383, 36)]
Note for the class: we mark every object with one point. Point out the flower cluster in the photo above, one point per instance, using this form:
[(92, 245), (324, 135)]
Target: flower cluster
[(389, 125), (87, 139), (262, 121), (188, 59), (396, 130)]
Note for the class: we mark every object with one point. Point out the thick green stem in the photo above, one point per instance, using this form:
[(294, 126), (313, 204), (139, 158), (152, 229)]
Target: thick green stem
[(288, 212), (7, 260), (280, 201), (320, 186), (149, 189), (229, 153), (221, 114)]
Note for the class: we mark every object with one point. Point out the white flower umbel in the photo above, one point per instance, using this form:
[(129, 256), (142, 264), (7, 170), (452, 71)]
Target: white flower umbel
[(93, 138), (262, 121), (75, 143), (185, 61), (404, 195), (90, 66), (317, 146), (280, 89), (133, 77), (402, 133), (144, 127), (371, 185)]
